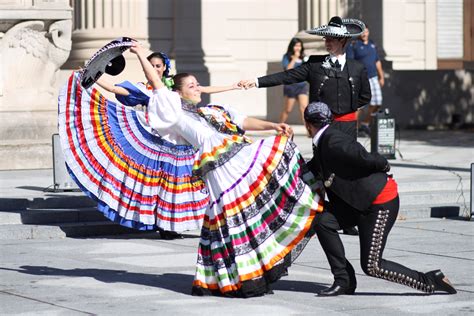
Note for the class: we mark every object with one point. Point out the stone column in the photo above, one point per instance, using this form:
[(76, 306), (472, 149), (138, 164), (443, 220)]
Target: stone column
[(187, 39), (200, 47), (35, 40), (97, 22), (218, 58), (313, 13)]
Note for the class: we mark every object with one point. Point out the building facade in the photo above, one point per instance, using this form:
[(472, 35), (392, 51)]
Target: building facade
[(427, 46)]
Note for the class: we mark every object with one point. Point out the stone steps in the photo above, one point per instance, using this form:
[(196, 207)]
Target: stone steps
[(51, 216), (433, 197), (29, 210), (62, 230), (432, 210), (33, 154), (451, 184)]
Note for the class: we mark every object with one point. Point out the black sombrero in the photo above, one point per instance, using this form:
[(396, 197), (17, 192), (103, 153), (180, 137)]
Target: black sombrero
[(337, 27), (108, 59)]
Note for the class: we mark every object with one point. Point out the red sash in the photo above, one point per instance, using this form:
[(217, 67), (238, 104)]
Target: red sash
[(389, 192), (348, 117)]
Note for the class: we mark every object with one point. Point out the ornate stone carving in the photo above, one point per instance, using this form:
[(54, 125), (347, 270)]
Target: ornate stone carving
[(31, 54)]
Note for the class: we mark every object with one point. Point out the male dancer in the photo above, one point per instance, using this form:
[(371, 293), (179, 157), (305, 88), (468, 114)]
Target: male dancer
[(339, 82), (360, 193)]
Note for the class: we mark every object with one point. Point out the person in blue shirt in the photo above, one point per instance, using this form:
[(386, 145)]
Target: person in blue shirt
[(293, 58), (365, 51)]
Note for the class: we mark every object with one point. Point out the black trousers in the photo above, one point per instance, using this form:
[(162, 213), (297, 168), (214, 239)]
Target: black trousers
[(374, 226), (350, 128)]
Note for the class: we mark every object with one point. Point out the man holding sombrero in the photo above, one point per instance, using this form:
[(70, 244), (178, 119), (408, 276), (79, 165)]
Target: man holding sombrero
[(339, 82)]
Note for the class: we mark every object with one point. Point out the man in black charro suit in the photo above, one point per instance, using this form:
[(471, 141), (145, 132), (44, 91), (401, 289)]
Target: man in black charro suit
[(339, 82), (360, 193)]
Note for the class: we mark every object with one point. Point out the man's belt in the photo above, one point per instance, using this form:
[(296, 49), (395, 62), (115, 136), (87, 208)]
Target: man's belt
[(348, 117)]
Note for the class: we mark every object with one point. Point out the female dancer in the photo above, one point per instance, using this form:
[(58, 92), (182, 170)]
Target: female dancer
[(261, 203), (141, 179)]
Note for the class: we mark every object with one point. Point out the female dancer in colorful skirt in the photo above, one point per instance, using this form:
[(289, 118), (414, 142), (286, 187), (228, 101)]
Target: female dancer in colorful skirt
[(140, 179), (138, 95), (262, 197)]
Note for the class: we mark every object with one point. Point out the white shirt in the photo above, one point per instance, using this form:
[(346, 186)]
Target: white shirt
[(318, 135), (341, 59)]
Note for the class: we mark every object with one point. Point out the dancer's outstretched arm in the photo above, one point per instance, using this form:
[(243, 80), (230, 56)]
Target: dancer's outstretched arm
[(217, 89), (254, 124), (150, 73), (106, 85)]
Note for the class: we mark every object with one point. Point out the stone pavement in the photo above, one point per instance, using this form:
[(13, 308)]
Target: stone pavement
[(43, 272), (140, 274)]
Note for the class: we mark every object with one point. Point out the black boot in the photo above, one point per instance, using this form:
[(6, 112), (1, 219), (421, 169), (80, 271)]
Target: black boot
[(440, 282), (336, 290), (169, 235)]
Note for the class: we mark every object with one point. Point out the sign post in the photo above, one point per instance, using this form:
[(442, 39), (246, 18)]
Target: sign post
[(62, 180), (382, 138)]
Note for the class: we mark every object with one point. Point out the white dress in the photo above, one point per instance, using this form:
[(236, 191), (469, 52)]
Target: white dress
[(262, 197)]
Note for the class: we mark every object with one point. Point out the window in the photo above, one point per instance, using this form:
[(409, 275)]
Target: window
[(455, 23)]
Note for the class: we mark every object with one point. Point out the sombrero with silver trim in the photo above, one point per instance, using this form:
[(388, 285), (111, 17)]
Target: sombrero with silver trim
[(337, 27), (108, 59)]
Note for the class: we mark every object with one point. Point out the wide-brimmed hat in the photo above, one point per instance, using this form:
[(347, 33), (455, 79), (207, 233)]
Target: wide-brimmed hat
[(337, 27), (108, 59)]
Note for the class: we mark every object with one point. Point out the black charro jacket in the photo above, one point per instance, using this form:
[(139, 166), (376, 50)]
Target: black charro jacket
[(358, 175), (343, 91)]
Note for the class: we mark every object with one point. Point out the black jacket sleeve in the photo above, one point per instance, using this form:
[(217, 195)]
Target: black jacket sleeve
[(298, 74)]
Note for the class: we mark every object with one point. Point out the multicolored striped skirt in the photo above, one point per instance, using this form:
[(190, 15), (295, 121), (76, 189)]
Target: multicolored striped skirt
[(263, 200), (138, 179)]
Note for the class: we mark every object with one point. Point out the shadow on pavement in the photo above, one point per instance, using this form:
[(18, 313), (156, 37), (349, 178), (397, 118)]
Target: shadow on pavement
[(394, 294), (180, 283), (176, 282), (298, 286)]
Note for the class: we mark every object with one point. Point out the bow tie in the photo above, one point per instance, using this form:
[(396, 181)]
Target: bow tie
[(335, 64)]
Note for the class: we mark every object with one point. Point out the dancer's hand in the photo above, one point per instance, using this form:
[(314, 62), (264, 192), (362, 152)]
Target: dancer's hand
[(237, 86), (136, 48), (283, 128), (247, 84)]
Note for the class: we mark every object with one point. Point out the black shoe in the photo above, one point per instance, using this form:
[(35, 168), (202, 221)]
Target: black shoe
[(350, 231), (335, 290), (440, 282)]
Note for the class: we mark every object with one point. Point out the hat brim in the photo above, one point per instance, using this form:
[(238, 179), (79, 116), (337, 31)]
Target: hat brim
[(108, 59), (353, 27)]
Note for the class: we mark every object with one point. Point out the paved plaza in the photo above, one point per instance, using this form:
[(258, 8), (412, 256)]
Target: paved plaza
[(47, 273)]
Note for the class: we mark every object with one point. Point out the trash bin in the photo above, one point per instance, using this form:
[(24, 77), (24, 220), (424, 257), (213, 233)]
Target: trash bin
[(382, 139)]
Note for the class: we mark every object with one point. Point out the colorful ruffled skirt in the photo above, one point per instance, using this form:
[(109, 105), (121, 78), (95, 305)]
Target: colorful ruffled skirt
[(263, 200), (138, 179)]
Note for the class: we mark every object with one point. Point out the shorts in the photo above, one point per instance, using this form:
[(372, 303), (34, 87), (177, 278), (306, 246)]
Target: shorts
[(376, 91), (295, 89)]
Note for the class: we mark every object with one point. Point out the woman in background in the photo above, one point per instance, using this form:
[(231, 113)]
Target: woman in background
[(293, 58)]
